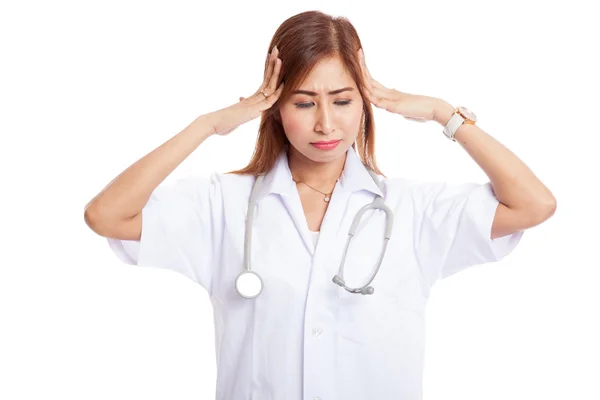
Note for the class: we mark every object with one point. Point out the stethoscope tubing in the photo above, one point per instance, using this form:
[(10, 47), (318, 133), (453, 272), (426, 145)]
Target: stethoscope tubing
[(377, 204)]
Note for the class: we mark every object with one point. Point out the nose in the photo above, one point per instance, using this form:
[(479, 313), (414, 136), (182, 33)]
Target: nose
[(324, 121)]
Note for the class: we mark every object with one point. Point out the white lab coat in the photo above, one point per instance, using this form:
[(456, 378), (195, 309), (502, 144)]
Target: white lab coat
[(304, 337)]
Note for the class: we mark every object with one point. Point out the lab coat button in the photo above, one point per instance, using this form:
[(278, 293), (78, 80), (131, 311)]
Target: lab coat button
[(317, 332), (316, 398)]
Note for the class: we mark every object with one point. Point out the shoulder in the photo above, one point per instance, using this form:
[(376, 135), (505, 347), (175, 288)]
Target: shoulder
[(428, 194), (425, 187), (422, 192), (235, 189), (216, 180), (199, 186), (234, 183), (396, 187)]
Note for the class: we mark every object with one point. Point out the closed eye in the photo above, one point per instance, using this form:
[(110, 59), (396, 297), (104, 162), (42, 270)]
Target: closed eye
[(340, 103)]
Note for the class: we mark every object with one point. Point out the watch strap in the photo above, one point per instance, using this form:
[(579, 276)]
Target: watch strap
[(454, 123)]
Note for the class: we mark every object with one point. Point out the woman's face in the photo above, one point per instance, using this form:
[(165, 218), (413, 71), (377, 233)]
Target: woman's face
[(309, 118)]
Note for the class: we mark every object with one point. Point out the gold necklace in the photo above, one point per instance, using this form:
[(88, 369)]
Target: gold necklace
[(327, 195)]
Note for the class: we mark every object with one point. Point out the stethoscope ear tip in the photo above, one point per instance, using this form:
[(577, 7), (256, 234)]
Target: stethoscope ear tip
[(368, 290), (338, 280)]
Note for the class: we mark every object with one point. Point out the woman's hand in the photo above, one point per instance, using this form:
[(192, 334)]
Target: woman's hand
[(411, 106), (227, 119)]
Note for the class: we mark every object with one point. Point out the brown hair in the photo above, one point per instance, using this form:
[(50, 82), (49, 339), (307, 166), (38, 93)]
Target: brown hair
[(303, 40)]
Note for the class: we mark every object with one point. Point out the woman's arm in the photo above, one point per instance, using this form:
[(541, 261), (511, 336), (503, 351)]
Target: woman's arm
[(116, 211), (524, 200)]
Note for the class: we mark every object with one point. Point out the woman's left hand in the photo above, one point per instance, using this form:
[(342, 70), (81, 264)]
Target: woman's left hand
[(411, 106)]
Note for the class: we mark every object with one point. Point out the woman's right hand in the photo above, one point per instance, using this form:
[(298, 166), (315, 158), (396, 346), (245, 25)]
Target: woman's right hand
[(227, 119)]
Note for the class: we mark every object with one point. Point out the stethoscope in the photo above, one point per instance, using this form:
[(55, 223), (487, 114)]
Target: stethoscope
[(249, 284)]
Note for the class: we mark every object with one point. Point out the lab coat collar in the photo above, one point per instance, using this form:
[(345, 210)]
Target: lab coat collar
[(354, 177)]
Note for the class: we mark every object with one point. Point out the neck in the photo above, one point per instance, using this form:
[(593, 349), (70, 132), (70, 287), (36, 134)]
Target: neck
[(318, 174)]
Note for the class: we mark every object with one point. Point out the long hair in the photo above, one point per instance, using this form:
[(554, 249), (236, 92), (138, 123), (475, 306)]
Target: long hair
[(303, 40)]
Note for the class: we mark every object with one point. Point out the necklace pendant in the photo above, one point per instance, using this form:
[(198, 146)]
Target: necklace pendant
[(327, 198)]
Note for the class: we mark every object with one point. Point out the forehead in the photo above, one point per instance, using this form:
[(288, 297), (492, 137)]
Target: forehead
[(328, 74)]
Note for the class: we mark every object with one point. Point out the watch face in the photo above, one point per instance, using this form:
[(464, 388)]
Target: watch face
[(468, 113)]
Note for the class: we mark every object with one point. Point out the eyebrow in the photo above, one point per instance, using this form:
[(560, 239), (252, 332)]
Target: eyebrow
[(307, 92)]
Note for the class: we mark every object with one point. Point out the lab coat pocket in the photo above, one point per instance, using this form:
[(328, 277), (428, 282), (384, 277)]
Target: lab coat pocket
[(397, 294), (364, 318), (371, 318)]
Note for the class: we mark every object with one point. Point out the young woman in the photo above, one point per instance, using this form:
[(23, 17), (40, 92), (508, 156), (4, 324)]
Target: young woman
[(316, 296)]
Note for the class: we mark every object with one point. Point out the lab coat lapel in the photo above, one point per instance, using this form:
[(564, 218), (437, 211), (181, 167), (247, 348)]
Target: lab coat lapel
[(354, 178), (333, 222), (293, 204), (346, 201), (279, 181)]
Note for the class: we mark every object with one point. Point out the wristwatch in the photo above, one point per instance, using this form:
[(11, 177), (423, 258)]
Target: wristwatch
[(462, 115)]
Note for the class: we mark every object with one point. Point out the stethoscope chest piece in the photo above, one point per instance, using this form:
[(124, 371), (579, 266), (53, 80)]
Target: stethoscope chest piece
[(248, 284)]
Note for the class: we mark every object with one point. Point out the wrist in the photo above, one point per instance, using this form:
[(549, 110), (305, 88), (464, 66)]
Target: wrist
[(443, 111), (210, 121)]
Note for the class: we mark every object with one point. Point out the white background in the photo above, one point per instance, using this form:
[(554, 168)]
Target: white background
[(87, 88)]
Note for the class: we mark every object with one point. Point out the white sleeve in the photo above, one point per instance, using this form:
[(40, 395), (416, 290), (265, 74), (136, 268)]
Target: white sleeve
[(181, 230), (453, 228)]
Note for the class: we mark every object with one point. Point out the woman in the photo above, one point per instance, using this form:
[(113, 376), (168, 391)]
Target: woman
[(308, 334)]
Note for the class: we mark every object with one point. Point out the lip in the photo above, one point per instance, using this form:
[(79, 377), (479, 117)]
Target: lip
[(331, 144), (327, 142)]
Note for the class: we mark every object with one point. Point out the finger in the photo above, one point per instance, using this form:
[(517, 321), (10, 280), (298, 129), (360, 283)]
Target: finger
[(381, 92), (268, 90), (273, 98), (370, 95), (386, 104), (269, 101), (363, 65), (258, 97), (274, 77), (372, 82), (368, 78), (380, 102), (377, 84), (270, 68), (374, 100), (269, 63)]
